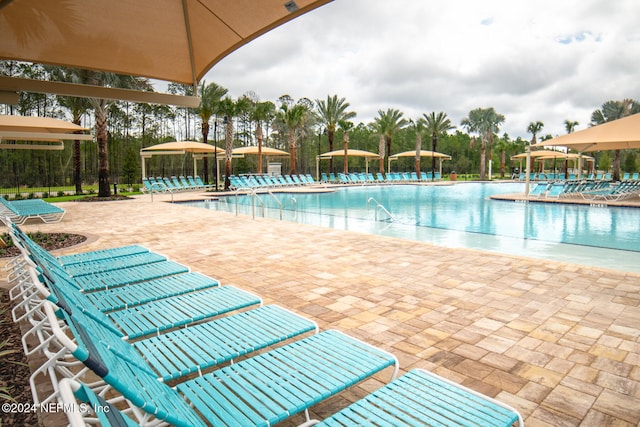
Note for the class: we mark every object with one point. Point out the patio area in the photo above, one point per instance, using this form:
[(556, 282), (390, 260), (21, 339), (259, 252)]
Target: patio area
[(559, 342)]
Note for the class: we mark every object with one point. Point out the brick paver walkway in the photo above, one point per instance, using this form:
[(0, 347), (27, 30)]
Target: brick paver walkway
[(559, 342)]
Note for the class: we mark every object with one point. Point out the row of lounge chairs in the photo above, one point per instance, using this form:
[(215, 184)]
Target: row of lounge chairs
[(173, 184), (270, 181), (113, 314), (19, 211), (534, 176), (587, 189), (369, 178)]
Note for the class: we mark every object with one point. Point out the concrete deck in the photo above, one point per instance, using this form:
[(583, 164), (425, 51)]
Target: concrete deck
[(559, 342)]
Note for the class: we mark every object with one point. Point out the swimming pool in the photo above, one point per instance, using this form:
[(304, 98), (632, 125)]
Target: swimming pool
[(462, 215)]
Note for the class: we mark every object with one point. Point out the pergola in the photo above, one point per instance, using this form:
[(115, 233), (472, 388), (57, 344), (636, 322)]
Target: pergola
[(172, 40)]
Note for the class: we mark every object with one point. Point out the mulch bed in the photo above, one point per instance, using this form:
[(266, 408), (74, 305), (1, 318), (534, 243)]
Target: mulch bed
[(49, 241), (14, 370)]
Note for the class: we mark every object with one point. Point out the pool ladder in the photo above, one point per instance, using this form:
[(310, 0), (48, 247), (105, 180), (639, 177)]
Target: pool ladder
[(254, 196), (380, 207)]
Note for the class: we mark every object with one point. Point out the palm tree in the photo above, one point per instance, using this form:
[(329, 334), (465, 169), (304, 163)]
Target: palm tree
[(418, 126), (229, 109), (485, 122), (345, 126), (101, 107), (534, 128), (388, 123), (570, 125), (210, 98), (330, 113), (613, 110), (262, 112), (436, 124), (294, 117)]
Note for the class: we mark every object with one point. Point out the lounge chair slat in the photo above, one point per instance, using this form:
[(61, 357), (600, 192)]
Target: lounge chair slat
[(143, 292), (129, 275), (104, 265), (67, 260)]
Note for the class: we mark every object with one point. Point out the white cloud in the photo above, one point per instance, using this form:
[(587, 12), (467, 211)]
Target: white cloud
[(530, 60)]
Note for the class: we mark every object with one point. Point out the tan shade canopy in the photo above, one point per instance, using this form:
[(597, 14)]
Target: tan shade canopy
[(181, 147), (163, 39), (44, 129), (266, 151), (350, 153), (423, 153), (619, 134), (541, 153)]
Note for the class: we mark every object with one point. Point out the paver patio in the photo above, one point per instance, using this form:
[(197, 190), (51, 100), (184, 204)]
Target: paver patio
[(560, 342)]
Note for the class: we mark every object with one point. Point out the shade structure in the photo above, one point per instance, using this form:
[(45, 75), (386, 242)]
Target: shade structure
[(618, 134), (423, 153), (540, 153), (350, 153), (266, 151), (41, 129), (368, 155), (172, 40), (199, 150)]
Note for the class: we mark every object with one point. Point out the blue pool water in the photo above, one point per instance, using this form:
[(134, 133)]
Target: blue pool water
[(462, 215)]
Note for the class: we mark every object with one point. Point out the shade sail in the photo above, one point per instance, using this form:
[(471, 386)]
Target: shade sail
[(423, 153), (181, 147), (174, 40), (350, 153), (619, 134), (266, 151), (44, 129), (541, 153)]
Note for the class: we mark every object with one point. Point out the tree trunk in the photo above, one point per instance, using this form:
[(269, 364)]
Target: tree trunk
[(483, 159), (381, 153), (259, 137), (330, 136), (616, 165), (292, 152), (228, 152), (418, 149), (104, 189), (205, 162), (346, 150)]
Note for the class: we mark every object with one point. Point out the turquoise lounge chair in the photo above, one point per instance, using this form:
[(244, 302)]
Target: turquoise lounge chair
[(19, 211), (261, 390), (423, 399)]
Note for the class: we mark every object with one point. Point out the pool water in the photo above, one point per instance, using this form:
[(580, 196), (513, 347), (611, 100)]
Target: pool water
[(462, 215)]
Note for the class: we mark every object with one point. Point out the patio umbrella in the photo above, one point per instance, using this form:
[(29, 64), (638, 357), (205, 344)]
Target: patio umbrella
[(173, 40), (199, 150), (44, 129)]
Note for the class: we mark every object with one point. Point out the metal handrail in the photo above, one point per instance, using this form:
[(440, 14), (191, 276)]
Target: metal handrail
[(254, 195), (379, 206), (277, 201)]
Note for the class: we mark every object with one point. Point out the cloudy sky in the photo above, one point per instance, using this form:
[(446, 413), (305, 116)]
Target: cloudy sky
[(544, 60)]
